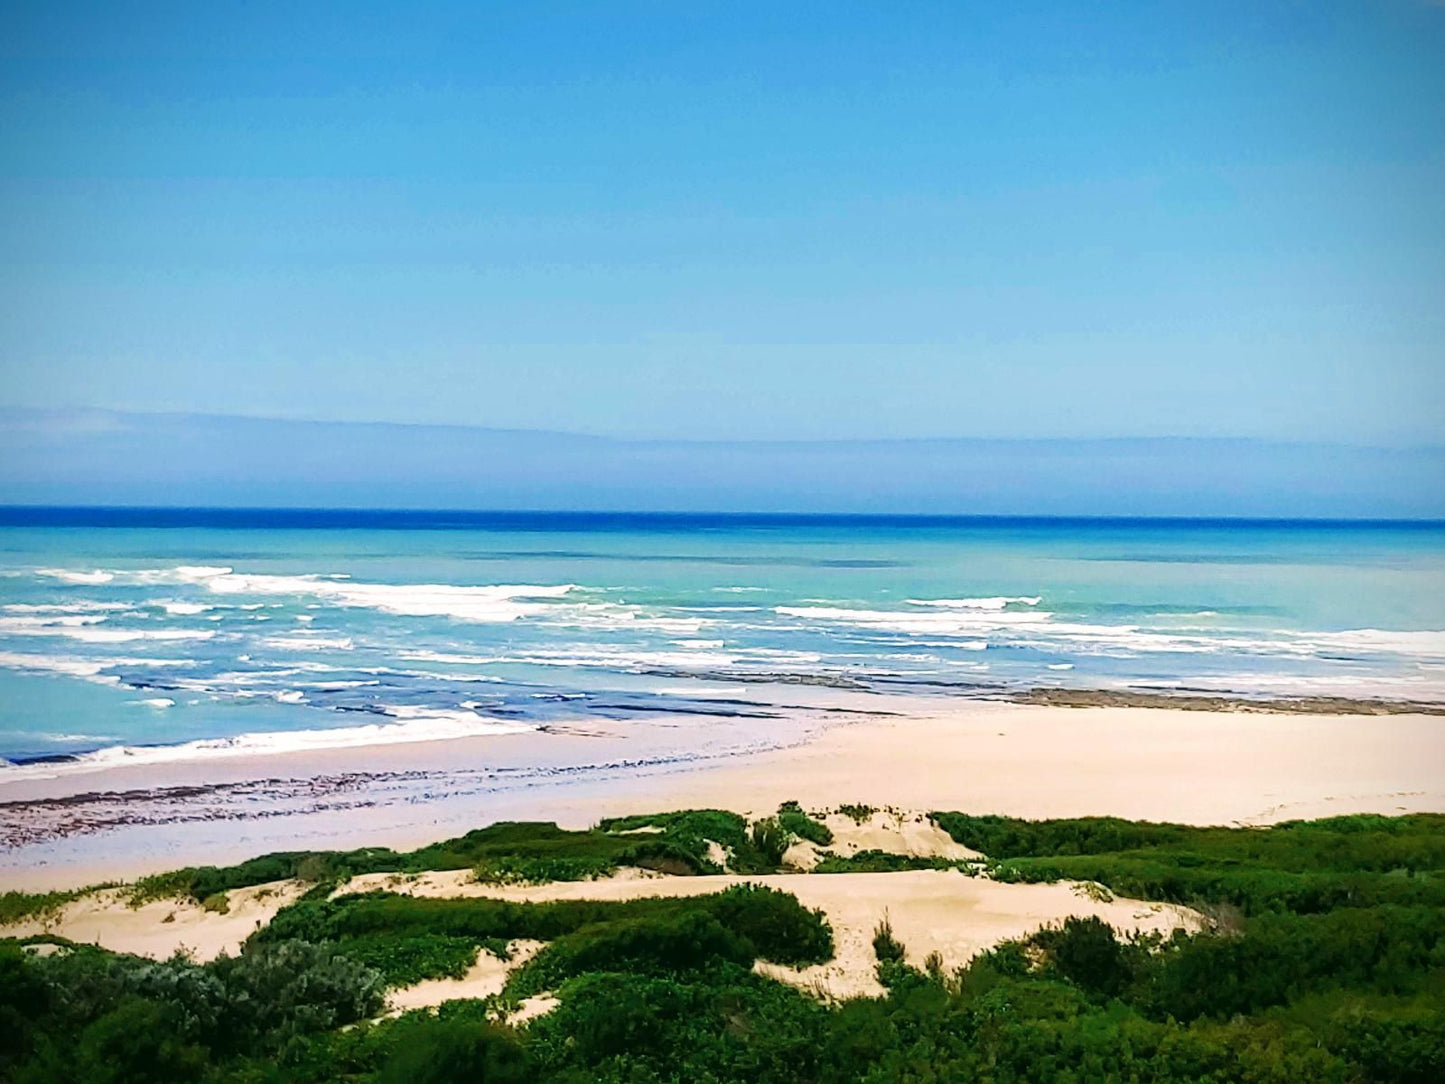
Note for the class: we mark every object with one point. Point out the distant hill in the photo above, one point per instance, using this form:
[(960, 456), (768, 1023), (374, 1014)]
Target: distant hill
[(97, 457)]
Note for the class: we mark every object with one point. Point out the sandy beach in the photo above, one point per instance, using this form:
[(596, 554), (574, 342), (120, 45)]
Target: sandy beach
[(1035, 761)]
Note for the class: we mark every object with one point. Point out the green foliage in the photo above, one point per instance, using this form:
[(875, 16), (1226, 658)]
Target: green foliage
[(886, 947), (769, 839), (690, 831), (663, 945), (1086, 952), (1301, 987), (446, 1051), (1306, 867), (19, 906), (216, 904), (536, 871), (803, 826), (90, 1015), (858, 813), (873, 861), (404, 961), (409, 938), (508, 851)]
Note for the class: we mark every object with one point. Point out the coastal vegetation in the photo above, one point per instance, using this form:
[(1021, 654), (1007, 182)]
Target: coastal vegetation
[(1323, 959), (525, 852)]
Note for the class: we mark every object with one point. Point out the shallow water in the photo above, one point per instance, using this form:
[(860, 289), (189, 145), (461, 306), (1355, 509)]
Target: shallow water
[(128, 637)]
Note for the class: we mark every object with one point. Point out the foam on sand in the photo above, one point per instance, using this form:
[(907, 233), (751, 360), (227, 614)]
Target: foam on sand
[(411, 724)]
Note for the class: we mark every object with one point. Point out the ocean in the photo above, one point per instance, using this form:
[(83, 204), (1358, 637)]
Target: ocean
[(129, 636)]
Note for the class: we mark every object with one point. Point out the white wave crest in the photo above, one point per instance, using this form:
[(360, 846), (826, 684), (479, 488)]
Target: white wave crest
[(957, 622), (310, 643), (86, 669), (487, 603), (996, 602), (65, 575), (410, 725), (183, 609)]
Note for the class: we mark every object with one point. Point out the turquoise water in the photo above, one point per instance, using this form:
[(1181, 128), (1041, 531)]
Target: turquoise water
[(179, 635)]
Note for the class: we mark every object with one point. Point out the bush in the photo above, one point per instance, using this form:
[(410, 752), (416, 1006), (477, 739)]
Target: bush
[(770, 839), (448, 1051), (1086, 952), (886, 948), (805, 827), (670, 945), (282, 989), (873, 861)]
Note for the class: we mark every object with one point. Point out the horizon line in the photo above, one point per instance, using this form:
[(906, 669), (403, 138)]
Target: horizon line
[(178, 512), (1218, 438)]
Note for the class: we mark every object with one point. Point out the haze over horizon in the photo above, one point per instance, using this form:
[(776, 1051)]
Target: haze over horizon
[(112, 458)]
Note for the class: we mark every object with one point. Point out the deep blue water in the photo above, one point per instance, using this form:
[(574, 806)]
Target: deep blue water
[(129, 628)]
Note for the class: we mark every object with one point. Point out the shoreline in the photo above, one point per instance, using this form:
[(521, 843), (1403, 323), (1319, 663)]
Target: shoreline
[(1141, 763), (102, 758)]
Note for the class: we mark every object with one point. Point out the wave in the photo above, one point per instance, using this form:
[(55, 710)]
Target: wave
[(89, 635), (183, 609), (996, 602), (489, 603), (959, 622), (410, 725), (77, 607), (310, 643), (86, 669)]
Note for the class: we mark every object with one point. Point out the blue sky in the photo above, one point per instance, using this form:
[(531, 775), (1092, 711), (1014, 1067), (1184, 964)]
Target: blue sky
[(743, 221)]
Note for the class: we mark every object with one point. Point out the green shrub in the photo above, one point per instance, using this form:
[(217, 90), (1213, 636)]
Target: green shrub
[(449, 1051), (805, 827), (858, 813), (409, 938), (282, 989), (873, 861), (665, 945), (1086, 952), (534, 871), (886, 947), (769, 839), (18, 906), (404, 961)]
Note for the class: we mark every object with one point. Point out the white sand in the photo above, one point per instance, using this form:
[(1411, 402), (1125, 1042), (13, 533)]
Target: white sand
[(1141, 763), (485, 978), (1153, 764), (161, 928)]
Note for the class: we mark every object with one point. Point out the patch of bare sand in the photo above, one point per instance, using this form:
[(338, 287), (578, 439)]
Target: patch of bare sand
[(485, 978), (894, 830), (161, 928), (1139, 763)]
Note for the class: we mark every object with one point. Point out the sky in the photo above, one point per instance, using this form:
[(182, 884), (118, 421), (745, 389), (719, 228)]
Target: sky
[(732, 221)]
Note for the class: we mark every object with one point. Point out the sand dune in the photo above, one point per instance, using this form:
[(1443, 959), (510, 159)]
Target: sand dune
[(941, 911), (161, 928)]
